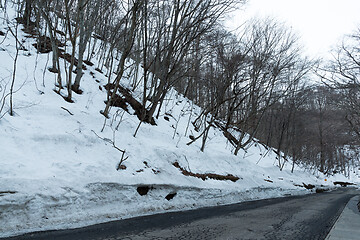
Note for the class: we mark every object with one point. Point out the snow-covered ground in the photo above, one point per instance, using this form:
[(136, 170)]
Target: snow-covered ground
[(59, 170)]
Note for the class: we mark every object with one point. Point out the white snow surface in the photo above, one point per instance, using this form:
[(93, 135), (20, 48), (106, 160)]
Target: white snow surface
[(59, 170)]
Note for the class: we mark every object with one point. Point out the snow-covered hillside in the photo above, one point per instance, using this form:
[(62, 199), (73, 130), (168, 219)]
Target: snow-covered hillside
[(58, 169)]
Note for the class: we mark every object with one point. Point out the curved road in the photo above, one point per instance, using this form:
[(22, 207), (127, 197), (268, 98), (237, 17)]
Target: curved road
[(300, 217)]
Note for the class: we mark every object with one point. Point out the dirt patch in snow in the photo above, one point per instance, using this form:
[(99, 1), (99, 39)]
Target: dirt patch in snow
[(43, 44), (205, 176), (321, 190), (69, 58), (119, 101), (87, 62), (343, 184), (308, 186)]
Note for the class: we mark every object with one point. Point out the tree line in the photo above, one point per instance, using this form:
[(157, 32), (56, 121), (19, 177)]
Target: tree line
[(255, 84)]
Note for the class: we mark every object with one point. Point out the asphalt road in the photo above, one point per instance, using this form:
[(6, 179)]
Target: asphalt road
[(302, 217)]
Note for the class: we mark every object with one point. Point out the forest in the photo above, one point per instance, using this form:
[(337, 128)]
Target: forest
[(255, 85)]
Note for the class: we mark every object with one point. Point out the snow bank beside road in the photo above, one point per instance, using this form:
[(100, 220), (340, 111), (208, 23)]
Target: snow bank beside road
[(101, 202)]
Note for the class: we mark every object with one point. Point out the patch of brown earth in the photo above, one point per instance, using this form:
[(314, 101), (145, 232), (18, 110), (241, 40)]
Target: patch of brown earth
[(343, 184), (68, 58), (205, 176)]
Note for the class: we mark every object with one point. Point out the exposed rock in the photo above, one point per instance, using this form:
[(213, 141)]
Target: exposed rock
[(143, 190), (170, 196)]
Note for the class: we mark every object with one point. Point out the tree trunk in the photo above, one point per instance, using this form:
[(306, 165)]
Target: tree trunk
[(27, 12), (125, 54)]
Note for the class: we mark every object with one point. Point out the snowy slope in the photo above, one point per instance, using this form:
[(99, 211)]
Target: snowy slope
[(59, 170)]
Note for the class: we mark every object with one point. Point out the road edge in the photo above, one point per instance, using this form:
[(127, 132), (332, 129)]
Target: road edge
[(342, 228)]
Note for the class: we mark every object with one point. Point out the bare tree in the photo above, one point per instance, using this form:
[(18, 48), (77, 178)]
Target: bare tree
[(180, 24), (89, 14), (14, 31), (343, 73), (132, 16), (275, 65)]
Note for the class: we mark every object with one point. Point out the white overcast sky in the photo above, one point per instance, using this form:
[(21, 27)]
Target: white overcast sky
[(321, 24)]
